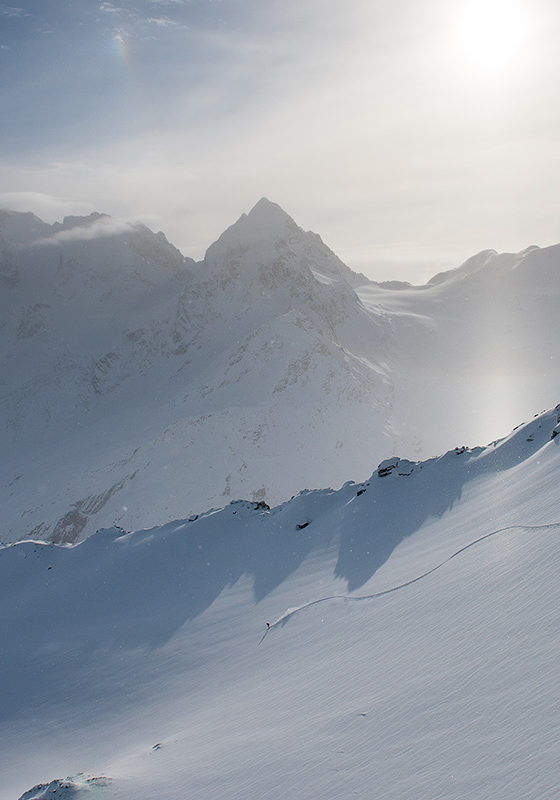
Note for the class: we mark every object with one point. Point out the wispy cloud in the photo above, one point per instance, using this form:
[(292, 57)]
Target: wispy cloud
[(13, 11), (109, 8), (165, 22), (137, 19), (99, 228), (47, 206)]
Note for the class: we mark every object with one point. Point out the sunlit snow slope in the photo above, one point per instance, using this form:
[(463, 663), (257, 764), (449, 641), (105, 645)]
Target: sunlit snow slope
[(413, 648)]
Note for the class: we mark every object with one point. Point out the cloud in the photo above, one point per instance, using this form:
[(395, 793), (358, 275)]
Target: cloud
[(13, 11), (165, 22), (48, 207), (109, 8), (99, 228), (137, 20), (350, 119)]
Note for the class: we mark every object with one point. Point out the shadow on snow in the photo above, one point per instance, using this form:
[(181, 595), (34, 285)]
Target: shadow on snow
[(136, 590)]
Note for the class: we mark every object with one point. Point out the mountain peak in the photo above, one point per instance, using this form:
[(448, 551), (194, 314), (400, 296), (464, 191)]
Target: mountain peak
[(80, 221), (265, 224), (266, 220), (17, 226), (473, 264), (266, 234), (266, 209)]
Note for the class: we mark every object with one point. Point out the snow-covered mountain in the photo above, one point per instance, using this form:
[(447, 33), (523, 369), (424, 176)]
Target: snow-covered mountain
[(139, 386), (412, 649), (475, 348), (121, 361)]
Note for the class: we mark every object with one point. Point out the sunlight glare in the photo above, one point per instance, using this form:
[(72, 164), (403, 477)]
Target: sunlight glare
[(491, 38)]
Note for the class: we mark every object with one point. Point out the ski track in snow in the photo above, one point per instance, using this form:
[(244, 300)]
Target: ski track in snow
[(291, 612)]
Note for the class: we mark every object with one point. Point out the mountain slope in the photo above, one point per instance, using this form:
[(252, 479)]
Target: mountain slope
[(474, 350), (130, 360), (413, 647), (138, 386)]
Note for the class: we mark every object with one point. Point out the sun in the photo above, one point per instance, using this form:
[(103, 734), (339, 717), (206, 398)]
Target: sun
[(490, 39)]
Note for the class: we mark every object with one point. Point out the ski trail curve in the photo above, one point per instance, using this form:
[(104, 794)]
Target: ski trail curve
[(290, 612)]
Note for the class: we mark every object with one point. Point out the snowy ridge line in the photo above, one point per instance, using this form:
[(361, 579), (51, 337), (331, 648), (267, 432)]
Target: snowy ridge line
[(293, 611)]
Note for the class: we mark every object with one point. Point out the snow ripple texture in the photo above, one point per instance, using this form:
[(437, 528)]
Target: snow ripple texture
[(291, 612)]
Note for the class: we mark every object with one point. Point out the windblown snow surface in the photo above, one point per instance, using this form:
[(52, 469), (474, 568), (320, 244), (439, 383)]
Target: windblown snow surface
[(412, 650)]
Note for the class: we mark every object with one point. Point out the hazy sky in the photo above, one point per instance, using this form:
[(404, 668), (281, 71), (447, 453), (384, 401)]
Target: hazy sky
[(408, 133)]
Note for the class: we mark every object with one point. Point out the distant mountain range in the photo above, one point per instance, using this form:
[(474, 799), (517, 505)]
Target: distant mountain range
[(139, 386)]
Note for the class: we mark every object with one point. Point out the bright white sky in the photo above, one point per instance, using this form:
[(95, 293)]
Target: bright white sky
[(408, 133)]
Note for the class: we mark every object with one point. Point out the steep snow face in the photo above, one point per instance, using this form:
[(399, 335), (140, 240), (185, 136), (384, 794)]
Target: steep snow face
[(264, 267), (270, 250), (245, 374), (412, 647), (80, 315), (471, 265), (18, 228)]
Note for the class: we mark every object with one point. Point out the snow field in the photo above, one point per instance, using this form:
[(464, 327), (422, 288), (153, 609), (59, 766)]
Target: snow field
[(141, 656)]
